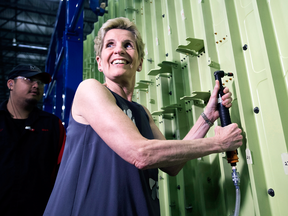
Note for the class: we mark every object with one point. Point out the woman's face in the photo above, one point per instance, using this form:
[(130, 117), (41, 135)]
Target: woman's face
[(119, 56)]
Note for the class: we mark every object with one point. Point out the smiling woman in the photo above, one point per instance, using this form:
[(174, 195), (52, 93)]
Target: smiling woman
[(113, 148), (119, 61), (119, 23)]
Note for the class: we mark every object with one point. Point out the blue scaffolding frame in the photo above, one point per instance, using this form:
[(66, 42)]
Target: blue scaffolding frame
[(65, 57)]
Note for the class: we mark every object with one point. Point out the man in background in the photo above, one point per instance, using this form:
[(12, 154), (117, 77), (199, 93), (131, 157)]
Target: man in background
[(31, 144)]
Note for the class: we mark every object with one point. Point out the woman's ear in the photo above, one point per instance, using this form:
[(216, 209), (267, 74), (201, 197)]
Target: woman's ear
[(140, 65), (98, 59)]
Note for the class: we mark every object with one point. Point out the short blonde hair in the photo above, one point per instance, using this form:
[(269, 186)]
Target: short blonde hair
[(118, 23)]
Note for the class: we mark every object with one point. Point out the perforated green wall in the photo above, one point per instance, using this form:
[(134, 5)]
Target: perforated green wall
[(186, 41)]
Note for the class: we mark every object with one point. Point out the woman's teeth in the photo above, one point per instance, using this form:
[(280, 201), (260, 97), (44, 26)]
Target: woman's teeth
[(119, 62)]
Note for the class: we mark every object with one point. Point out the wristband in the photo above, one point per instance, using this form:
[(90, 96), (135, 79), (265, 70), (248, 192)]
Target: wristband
[(206, 119)]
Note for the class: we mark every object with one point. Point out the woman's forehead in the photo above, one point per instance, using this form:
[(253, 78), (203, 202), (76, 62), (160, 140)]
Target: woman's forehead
[(119, 34)]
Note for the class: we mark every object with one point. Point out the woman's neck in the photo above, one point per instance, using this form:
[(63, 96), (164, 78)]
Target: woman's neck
[(125, 90)]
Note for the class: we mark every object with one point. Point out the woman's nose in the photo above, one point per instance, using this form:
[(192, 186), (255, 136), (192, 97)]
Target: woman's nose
[(119, 50)]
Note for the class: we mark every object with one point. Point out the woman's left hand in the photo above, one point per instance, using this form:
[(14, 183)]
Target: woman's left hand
[(211, 109)]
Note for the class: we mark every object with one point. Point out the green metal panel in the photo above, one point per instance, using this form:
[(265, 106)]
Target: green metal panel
[(186, 41)]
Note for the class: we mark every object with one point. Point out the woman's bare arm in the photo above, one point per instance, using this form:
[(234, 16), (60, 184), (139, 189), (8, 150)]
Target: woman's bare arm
[(95, 105)]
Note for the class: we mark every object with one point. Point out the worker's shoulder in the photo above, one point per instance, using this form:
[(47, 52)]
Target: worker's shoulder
[(49, 115), (50, 120)]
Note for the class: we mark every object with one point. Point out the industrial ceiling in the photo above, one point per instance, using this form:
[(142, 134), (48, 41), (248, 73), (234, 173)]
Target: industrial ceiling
[(26, 27)]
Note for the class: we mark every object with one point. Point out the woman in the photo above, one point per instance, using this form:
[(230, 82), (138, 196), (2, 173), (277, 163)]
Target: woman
[(113, 147)]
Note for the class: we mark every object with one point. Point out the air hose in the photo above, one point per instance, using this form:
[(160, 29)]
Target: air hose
[(232, 157)]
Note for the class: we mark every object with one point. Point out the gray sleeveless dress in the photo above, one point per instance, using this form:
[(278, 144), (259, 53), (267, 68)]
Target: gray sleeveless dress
[(94, 180)]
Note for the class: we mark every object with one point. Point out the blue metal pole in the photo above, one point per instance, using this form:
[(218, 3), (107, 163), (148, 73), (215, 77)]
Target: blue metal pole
[(51, 65), (55, 72), (49, 68), (73, 41), (59, 81), (78, 12), (67, 71)]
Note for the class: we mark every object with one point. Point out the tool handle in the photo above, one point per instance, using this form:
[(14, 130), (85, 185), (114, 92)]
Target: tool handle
[(223, 111), (224, 115)]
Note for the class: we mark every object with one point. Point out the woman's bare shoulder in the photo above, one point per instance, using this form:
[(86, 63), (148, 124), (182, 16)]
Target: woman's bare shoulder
[(92, 87), (90, 95)]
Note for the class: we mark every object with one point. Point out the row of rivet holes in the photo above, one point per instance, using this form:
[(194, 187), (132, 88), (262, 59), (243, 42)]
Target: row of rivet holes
[(224, 38), (157, 78), (245, 47)]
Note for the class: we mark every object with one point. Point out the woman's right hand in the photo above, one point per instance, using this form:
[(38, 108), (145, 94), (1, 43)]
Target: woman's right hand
[(229, 138)]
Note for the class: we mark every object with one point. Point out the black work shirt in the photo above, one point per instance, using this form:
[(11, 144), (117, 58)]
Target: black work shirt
[(30, 153)]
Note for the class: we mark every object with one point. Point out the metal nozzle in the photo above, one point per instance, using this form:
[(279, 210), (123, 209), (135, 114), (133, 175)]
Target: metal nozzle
[(235, 177)]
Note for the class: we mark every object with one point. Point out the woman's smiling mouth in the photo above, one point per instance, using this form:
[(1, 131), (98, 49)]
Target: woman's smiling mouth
[(119, 61)]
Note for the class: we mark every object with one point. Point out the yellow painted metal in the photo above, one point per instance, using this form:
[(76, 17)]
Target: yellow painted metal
[(245, 37)]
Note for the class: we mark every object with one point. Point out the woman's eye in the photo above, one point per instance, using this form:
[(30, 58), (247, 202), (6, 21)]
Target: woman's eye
[(109, 45), (128, 45)]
